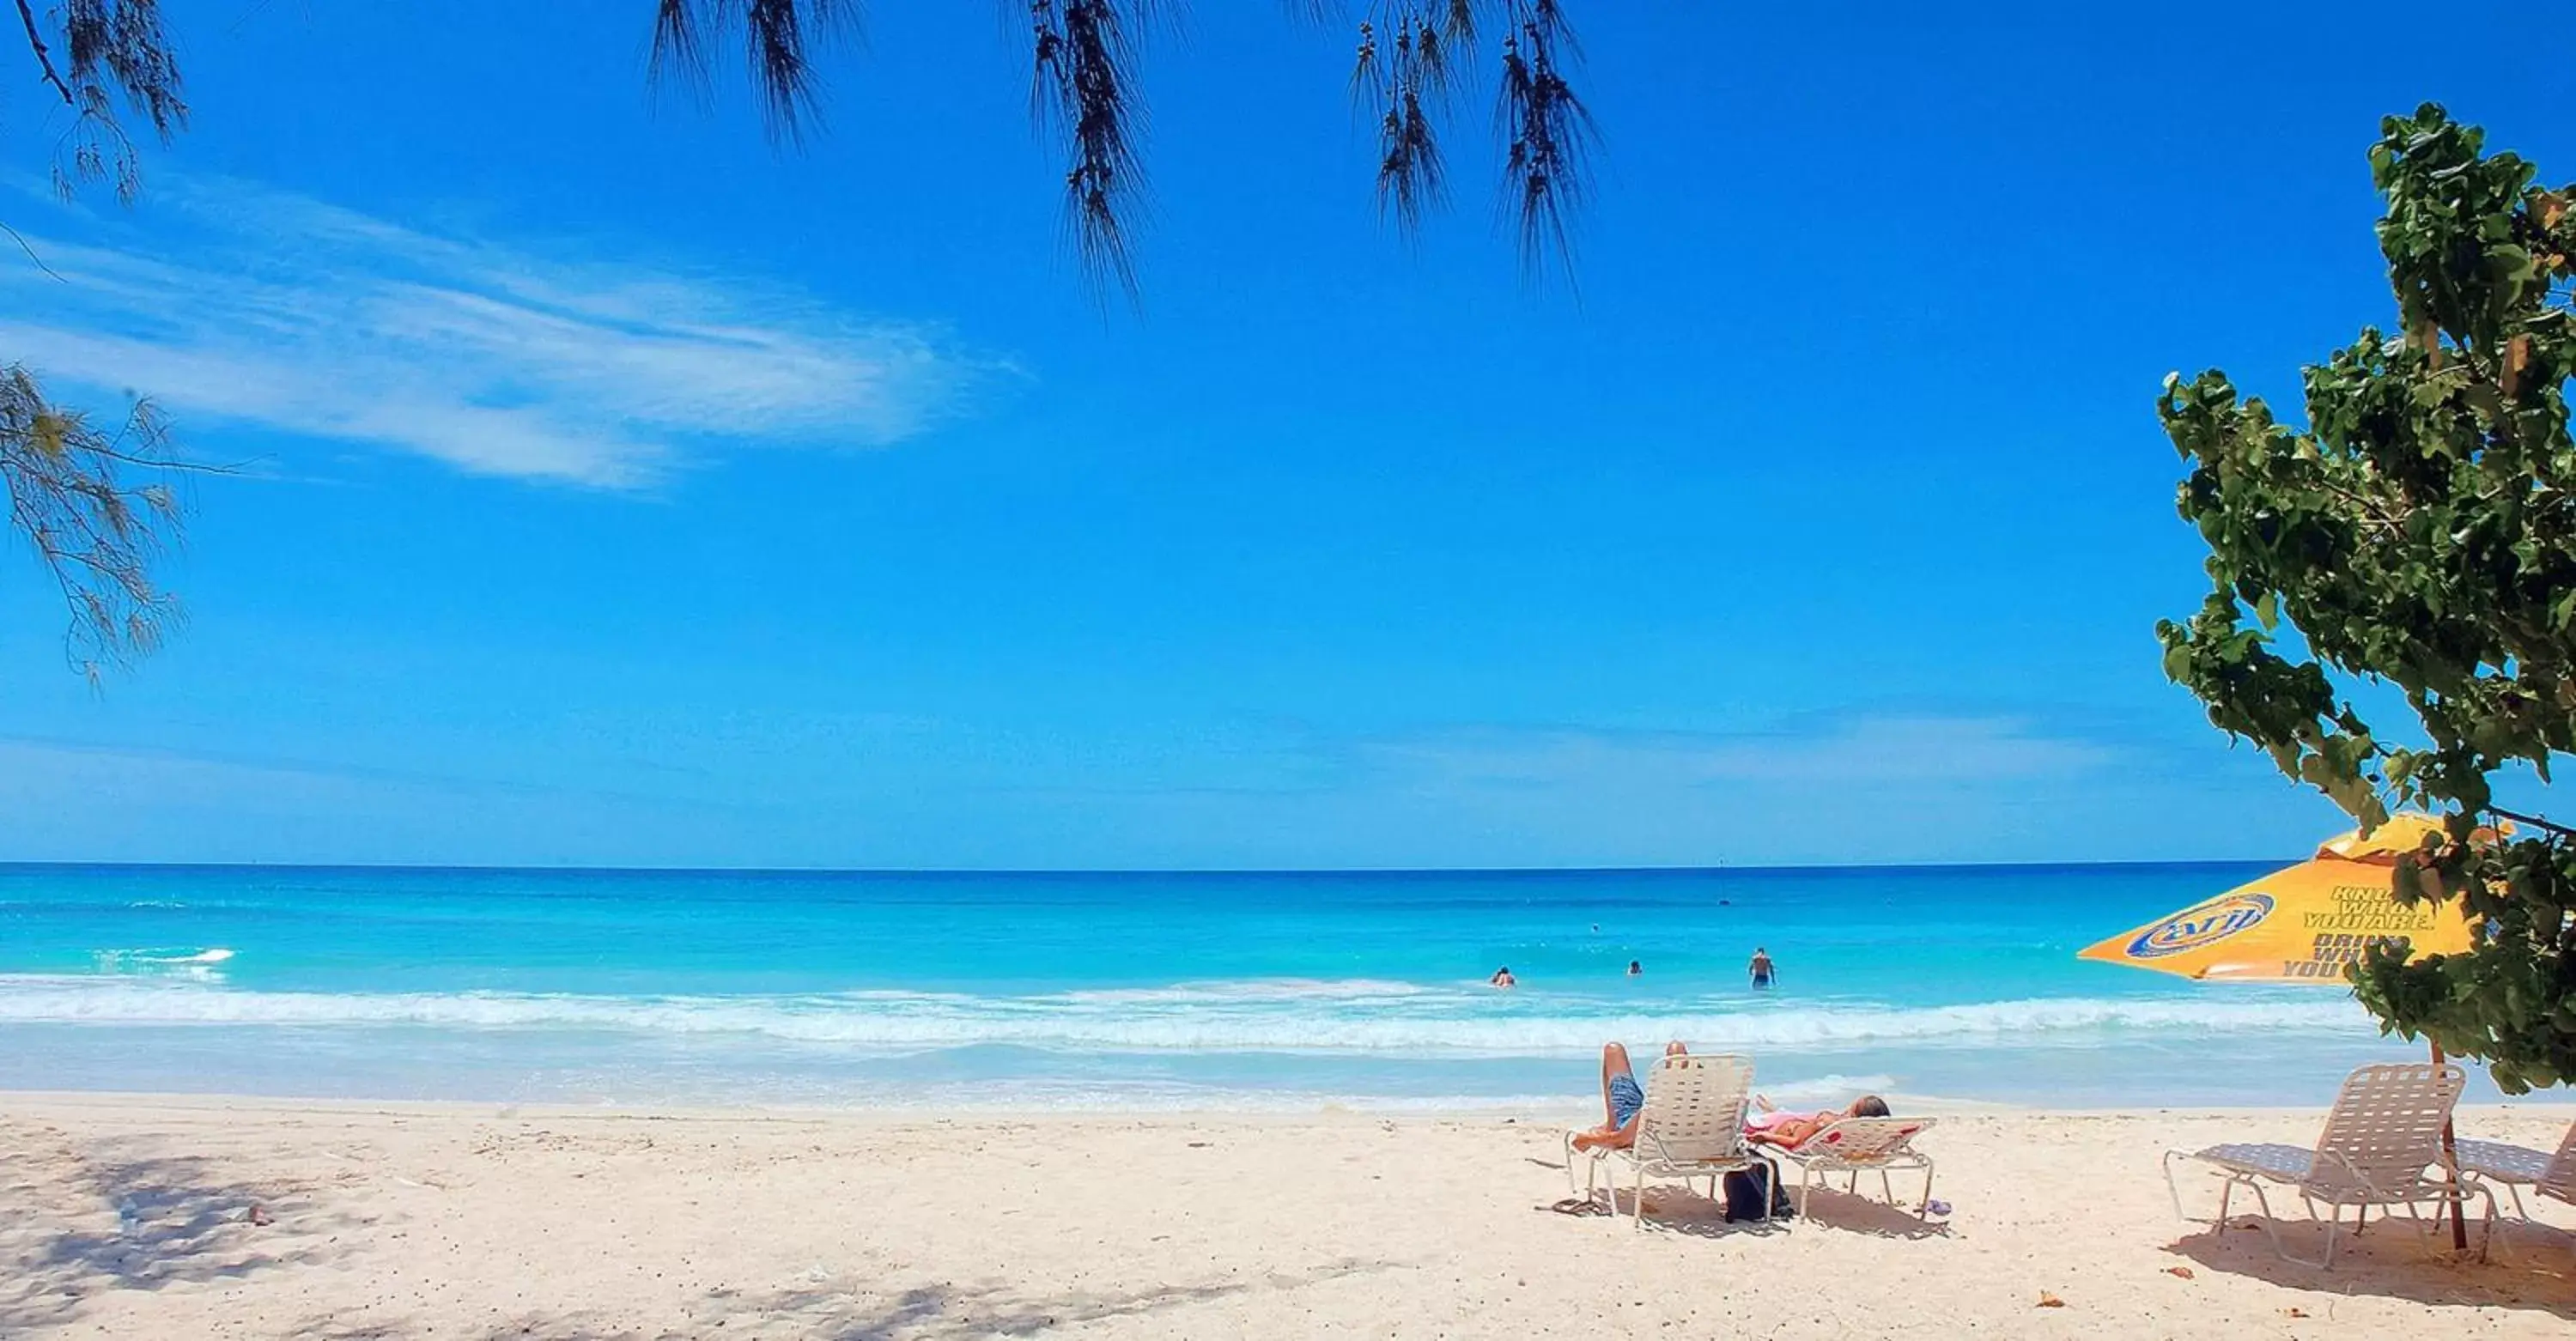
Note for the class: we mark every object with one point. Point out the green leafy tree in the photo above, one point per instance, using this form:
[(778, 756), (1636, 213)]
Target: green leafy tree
[(2418, 536)]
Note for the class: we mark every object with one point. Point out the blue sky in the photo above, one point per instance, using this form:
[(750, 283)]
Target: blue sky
[(623, 491)]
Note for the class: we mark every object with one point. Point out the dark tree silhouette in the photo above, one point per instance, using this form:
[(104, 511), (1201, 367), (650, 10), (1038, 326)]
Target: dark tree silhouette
[(1411, 71), (72, 489), (96, 530)]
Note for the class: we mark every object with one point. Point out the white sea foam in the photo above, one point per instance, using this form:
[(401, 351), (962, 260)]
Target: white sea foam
[(194, 962), (188, 955), (1834, 1089), (1250, 989), (1416, 1021)]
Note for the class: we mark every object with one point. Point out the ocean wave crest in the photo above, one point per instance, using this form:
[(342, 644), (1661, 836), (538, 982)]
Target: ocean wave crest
[(197, 962), (1417, 1021)]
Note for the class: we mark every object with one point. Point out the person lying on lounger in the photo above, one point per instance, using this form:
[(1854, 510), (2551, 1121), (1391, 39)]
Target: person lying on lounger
[(1622, 1099), (1787, 1130)]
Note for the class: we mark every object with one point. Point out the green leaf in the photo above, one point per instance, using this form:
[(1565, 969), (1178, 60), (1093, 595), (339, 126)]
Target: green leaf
[(2417, 543)]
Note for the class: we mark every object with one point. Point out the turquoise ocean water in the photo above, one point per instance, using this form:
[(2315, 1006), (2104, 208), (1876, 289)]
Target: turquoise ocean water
[(1126, 991)]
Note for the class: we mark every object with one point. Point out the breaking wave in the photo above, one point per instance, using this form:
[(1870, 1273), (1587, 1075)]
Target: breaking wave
[(1293, 1016), (183, 962)]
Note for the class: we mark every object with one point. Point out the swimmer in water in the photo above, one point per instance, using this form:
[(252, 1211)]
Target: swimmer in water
[(1760, 968), (1503, 977), (1635, 968)]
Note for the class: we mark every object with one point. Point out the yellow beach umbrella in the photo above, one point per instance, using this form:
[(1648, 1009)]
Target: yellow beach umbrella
[(2304, 924), (2301, 924)]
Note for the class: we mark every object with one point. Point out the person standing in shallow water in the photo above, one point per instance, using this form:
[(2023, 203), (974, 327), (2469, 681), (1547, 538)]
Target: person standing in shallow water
[(1503, 978), (1635, 968), (1760, 968)]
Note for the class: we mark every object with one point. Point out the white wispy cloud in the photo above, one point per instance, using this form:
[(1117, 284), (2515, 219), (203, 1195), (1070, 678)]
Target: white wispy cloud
[(1853, 751), (500, 359)]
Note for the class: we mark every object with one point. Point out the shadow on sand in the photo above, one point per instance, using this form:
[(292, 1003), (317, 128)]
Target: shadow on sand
[(155, 1221), (1670, 1208), (944, 1312), (2533, 1266), (1677, 1209), (1848, 1213)]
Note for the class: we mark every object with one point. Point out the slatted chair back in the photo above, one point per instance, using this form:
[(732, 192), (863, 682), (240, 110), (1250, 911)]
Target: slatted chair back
[(1862, 1142), (2560, 1181), (1694, 1111), (2386, 1127)]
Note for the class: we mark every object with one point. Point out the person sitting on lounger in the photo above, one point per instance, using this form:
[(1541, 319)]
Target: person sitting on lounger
[(1622, 1099), (1787, 1130)]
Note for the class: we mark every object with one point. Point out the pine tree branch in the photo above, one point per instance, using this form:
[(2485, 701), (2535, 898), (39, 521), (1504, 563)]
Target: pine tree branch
[(44, 56)]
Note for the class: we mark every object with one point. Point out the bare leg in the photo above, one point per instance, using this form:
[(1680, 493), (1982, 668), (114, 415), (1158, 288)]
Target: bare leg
[(1614, 1063)]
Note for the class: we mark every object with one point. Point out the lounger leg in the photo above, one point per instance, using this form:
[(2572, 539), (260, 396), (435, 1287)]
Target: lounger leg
[(2456, 1201), (2173, 1188), (2271, 1228), (1924, 1210), (1806, 1184), (1768, 1174), (1885, 1189), (1637, 1206)]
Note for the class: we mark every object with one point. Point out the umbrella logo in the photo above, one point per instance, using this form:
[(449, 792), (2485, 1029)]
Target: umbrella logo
[(2192, 928)]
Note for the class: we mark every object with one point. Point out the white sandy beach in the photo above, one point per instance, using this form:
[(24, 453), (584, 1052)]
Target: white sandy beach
[(153, 1217)]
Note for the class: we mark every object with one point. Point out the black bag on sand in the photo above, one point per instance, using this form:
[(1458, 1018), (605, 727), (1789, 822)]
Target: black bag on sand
[(1744, 1190)]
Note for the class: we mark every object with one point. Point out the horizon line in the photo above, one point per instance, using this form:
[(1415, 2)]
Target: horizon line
[(1094, 871)]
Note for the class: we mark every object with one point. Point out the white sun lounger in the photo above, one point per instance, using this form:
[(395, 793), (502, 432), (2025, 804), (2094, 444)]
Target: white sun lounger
[(1691, 1127), (2385, 1131), (1859, 1145), (2517, 1167)]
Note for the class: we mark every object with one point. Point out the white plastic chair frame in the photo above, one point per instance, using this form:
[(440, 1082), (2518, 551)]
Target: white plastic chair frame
[(1692, 1126), (2493, 1162), (2514, 1166), (1861, 1145), (2384, 1131)]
